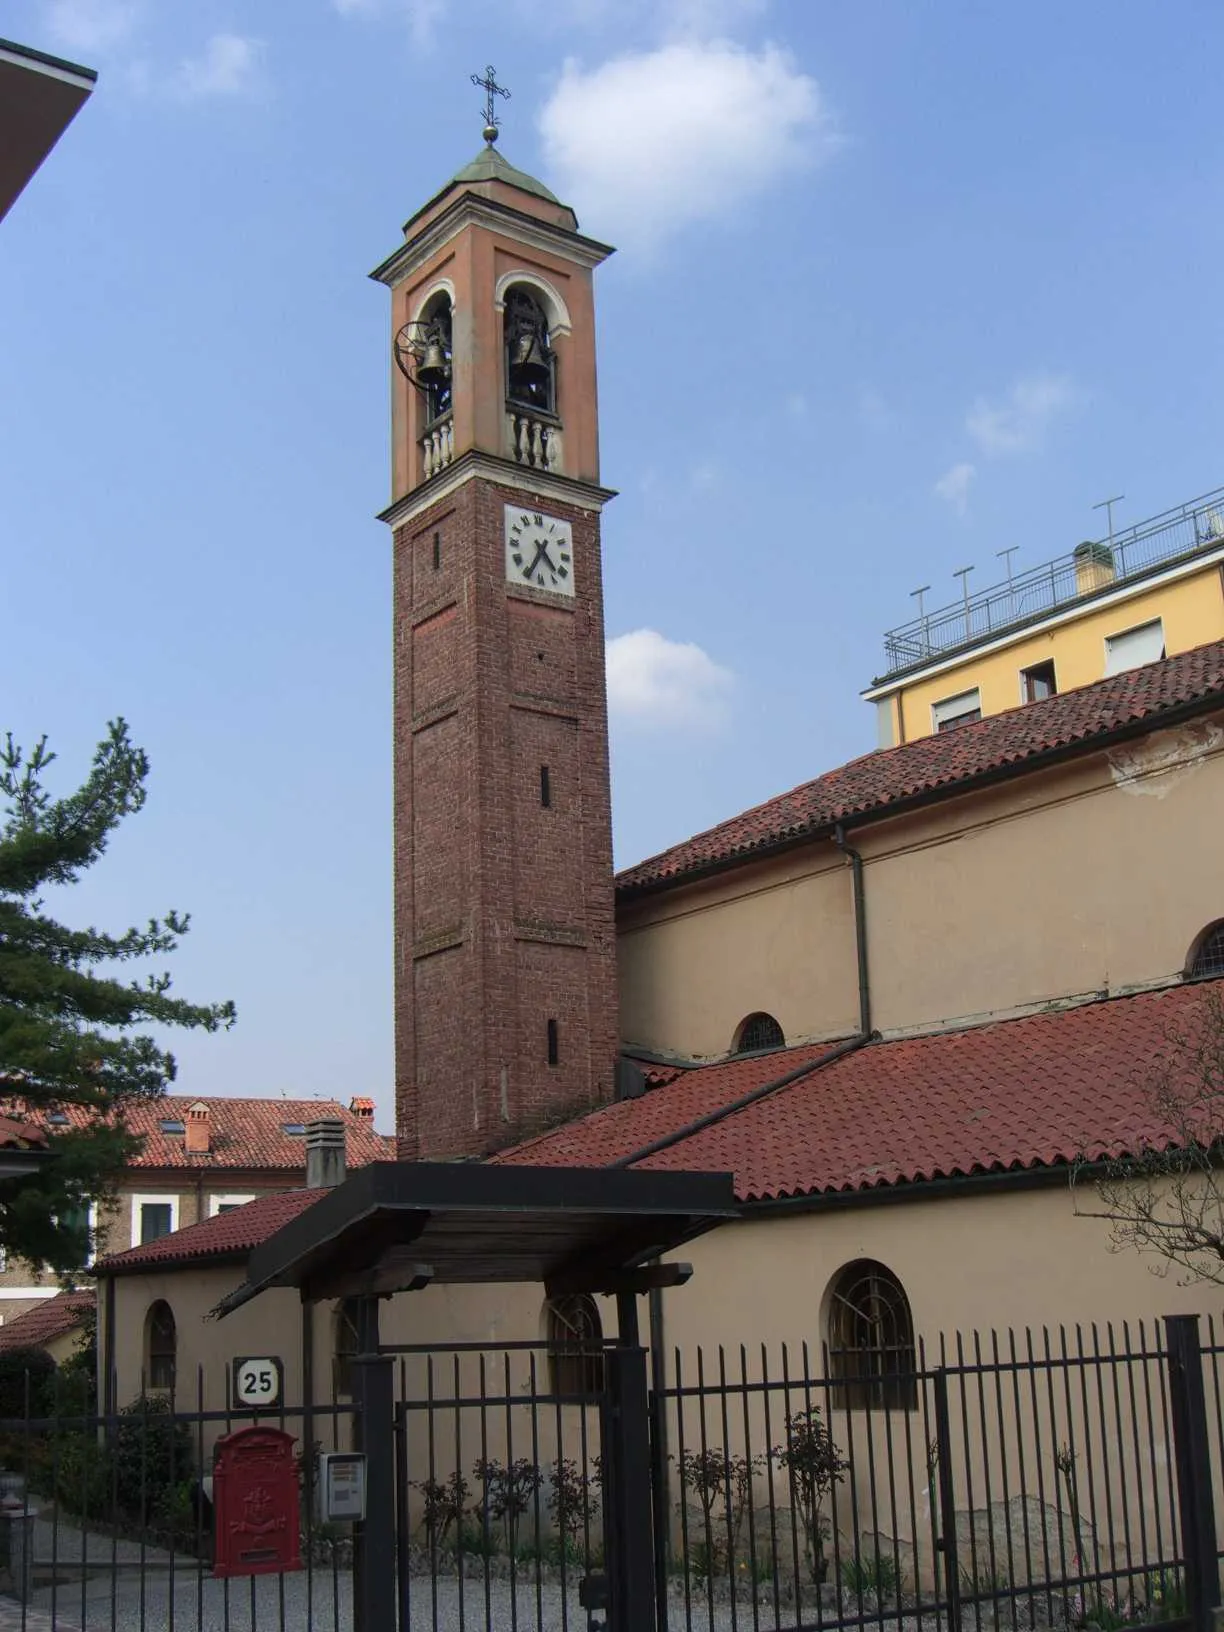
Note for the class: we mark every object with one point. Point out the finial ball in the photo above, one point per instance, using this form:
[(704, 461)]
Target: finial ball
[(490, 133)]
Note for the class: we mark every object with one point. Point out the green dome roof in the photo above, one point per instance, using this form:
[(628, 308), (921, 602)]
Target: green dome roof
[(488, 165)]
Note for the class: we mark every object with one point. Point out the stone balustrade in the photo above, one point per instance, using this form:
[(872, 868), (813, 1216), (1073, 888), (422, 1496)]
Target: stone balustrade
[(532, 440), (437, 447)]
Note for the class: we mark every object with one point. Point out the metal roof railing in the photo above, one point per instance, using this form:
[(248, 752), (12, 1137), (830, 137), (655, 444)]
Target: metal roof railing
[(1096, 565)]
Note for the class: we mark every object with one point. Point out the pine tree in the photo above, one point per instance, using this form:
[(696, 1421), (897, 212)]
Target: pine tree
[(67, 1019)]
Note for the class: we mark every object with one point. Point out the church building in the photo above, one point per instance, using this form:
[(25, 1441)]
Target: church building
[(902, 1003)]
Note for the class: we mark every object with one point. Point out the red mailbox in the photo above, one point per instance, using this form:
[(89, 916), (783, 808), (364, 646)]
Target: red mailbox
[(256, 1528)]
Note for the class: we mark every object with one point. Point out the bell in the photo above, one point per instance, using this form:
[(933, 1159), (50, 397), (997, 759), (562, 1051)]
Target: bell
[(433, 369), (528, 362)]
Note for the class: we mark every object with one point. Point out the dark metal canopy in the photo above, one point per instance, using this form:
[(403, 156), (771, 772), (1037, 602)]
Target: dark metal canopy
[(38, 97), (395, 1225)]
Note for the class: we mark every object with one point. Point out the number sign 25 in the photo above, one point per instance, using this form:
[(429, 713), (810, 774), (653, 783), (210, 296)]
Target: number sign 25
[(258, 1381)]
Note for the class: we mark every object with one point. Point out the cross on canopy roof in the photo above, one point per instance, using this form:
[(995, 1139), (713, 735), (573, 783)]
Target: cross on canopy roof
[(394, 1225)]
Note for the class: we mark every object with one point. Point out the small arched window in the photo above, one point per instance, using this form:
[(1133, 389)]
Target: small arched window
[(575, 1345), (347, 1343), (756, 1032), (1207, 958), (871, 1339), (531, 364), (161, 1344)]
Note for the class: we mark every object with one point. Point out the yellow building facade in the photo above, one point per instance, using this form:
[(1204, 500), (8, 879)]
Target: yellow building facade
[(1151, 592)]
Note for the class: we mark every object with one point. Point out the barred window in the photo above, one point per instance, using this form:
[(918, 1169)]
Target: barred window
[(871, 1340), (575, 1345), (1208, 956), (758, 1031), (161, 1344)]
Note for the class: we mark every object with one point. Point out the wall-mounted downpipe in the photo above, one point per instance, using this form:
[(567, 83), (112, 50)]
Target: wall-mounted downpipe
[(860, 926)]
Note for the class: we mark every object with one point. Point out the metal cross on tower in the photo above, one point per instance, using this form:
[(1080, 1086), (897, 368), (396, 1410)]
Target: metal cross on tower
[(491, 88)]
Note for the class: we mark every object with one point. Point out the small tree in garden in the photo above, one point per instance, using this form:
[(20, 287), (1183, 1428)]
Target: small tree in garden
[(571, 1504), (445, 1504), (723, 1486), (814, 1465), (508, 1490)]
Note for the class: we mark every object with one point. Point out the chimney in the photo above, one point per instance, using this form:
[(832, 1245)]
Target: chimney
[(197, 1141), (363, 1108), (324, 1153), (1094, 566)]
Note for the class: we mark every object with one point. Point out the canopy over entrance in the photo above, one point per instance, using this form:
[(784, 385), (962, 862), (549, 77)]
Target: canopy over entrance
[(395, 1226)]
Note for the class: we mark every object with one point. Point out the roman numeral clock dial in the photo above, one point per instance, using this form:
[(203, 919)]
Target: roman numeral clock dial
[(539, 551)]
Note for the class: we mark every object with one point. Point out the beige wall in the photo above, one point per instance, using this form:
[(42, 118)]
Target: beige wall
[(1095, 876)]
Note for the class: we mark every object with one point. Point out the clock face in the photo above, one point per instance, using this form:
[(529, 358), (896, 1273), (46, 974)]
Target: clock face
[(539, 551)]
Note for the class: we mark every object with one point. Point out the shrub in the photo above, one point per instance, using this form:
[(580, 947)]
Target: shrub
[(814, 1465), (870, 1573), (151, 1453), (572, 1504), (24, 1375), (445, 1505), (507, 1490), (80, 1474)]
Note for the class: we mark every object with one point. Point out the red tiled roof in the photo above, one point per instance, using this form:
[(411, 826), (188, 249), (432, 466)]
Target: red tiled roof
[(243, 1133), (1017, 1094), (945, 763), (16, 1131), (229, 1235), (52, 1318)]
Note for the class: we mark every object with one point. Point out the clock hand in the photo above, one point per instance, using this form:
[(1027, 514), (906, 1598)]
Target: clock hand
[(540, 550)]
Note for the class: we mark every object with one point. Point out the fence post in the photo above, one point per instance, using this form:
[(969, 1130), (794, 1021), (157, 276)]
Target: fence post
[(946, 1542), (625, 1439), (1188, 1410), (374, 1539)]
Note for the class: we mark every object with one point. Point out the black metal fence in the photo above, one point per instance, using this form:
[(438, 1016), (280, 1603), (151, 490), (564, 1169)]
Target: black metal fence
[(1053, 1479), (106, 1521)]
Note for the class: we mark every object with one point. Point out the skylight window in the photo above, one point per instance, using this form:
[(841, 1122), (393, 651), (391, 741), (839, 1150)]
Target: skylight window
[(296, 1129), (57, 1119), (172, 1125)]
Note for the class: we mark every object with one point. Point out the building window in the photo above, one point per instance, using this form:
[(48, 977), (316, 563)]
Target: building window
[(153, 1217), (554, 1052), (226, 1204), (871, 1339), (531, 377), (545, 787), (575, 1345), (347, 1344), (1131, 648), (437, 551), (962, 709), (756, 1032), (161, 1341), (1038, 682), (1207, 959)]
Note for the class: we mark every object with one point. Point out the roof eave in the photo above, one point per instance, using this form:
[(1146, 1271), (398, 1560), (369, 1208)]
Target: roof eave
[(1011, 769)]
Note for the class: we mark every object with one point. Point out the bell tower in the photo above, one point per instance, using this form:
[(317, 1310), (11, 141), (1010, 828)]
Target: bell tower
[(505, 972)]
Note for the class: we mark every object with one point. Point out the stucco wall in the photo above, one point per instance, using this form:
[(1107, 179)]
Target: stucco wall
[(1094, 876)]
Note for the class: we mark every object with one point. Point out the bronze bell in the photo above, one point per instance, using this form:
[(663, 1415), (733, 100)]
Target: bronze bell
[(434, 368), (528, 360)]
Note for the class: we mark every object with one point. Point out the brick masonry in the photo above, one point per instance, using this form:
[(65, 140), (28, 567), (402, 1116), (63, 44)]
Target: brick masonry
[(504, 908)]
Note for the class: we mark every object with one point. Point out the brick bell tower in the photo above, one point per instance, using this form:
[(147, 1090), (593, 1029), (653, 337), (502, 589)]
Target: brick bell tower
[(505, 962)]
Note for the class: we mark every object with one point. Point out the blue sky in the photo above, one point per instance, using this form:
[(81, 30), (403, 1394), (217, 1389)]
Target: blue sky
[(898, 286)]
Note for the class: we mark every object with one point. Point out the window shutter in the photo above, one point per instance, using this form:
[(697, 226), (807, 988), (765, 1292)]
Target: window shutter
[(1134, 647)]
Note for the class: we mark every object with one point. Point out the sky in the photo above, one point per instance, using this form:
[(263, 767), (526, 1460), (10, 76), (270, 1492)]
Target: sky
[(899, 285)]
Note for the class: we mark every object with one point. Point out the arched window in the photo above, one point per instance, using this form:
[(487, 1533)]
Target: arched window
[(758, 1031), (423, 353), (347, 1343), (161, 1343), (1207, 958), (575, 1345), (531, 364), (871, 1339)]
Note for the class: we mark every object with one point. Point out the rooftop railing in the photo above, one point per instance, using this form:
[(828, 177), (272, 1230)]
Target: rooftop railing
[(1090, 568)]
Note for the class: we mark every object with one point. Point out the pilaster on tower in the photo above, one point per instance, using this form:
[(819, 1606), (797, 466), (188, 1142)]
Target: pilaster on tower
[(505, 973)]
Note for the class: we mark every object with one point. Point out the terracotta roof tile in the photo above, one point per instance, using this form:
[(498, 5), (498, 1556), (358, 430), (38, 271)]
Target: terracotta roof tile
[(52, 1318), (948, 761), (1016, 1094), (243, 1133), (229, 1235)]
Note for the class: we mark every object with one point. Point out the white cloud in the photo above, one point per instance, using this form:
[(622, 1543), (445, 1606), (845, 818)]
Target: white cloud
[(227, 66), (654, 681), (423, 15), (1019, 422), (953, 486), (648, 142), (91, 25)]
